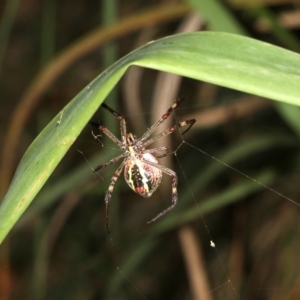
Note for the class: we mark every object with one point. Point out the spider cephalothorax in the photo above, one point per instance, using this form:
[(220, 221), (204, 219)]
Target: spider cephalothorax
[(142, 177), (142, 171)]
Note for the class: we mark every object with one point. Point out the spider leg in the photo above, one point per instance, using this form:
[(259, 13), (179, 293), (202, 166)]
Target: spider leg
[(185, 123), (162, 119), (174, 197), (108, 133), (121, 120), (112, 161), (174, 177), (160, 152), (189, 123), (109, 193)]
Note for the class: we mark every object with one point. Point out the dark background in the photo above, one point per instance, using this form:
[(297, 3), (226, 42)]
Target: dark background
[(60, 248)]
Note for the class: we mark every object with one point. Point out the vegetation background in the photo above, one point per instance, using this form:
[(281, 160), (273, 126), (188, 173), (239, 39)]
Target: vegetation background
[(59, 249)]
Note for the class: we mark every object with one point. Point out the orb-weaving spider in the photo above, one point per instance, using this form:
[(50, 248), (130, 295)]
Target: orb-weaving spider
[(142, 171)]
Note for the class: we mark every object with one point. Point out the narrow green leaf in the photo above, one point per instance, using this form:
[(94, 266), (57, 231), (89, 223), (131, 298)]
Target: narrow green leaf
[(224, 59), (291, 115), (229, 196), (217, 15)]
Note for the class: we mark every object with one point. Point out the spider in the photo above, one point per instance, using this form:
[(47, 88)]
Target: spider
[(142, 171)]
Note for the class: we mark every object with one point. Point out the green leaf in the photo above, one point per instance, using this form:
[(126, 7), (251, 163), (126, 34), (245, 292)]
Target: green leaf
[(218, 17), (224, 59), (291, 115), (228, 196)]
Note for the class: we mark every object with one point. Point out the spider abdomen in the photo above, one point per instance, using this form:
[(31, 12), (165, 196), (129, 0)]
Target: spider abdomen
[(143, 178)]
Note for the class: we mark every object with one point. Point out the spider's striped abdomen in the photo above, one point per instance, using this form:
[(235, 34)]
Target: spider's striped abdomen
[(143, 178)]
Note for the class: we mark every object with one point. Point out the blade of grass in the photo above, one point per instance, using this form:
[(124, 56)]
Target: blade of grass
[(291, 115), (224, 59), (228, 196), (219, 18), (72, 181), (238, 152), (285, 36)]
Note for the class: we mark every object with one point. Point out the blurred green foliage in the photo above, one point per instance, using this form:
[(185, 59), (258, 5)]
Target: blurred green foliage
[(60, 248)]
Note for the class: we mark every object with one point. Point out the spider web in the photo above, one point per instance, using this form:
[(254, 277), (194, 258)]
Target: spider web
[(198, 213), (254, 183)]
